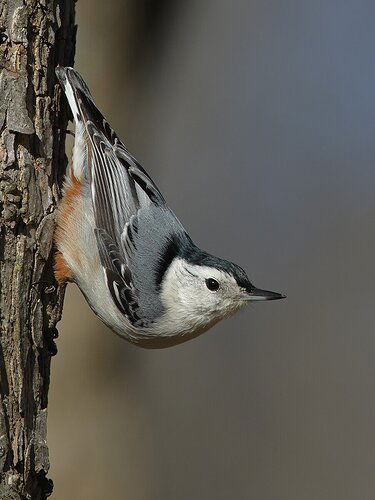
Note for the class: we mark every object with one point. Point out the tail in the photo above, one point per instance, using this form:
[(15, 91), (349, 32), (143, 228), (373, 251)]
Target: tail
[(83, 109), (75, 89), (90, 124)]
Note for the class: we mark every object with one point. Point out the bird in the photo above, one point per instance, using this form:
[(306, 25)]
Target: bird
[(126, 250)]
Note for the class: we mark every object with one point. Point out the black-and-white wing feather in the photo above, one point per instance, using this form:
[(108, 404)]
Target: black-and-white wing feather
[(126, 204)]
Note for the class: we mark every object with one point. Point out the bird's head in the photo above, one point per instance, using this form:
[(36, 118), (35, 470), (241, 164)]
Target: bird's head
[(198, 290)]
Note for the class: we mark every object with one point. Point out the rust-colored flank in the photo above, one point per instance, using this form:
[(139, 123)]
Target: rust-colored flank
[(65, 227), (62, 270)]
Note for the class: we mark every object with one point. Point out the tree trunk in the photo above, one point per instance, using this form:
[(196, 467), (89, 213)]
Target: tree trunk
[(35, 36)]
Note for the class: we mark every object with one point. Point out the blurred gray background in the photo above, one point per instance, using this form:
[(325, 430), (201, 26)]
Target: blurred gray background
[(257, 121)]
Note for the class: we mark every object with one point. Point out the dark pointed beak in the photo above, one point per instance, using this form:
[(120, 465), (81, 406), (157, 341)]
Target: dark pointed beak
[(258, 294)]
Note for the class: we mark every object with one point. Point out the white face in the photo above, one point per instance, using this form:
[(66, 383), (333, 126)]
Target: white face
[(197, 297)]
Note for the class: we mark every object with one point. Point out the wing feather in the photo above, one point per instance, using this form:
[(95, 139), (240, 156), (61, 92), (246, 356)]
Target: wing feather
[(120, 190)]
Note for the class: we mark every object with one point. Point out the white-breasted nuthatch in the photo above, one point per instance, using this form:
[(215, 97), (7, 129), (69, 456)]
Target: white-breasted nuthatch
[(118, 240)]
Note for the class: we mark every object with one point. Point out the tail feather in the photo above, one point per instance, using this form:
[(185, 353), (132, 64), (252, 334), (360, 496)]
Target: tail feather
[(82, 103), (77, 94), (87, 118), (74, 87)]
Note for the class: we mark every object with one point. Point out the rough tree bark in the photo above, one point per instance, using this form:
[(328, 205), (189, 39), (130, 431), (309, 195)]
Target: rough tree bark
[(35, 36)]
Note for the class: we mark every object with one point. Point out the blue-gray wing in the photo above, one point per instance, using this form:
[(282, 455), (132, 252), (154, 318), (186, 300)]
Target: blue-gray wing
[(134, 226)]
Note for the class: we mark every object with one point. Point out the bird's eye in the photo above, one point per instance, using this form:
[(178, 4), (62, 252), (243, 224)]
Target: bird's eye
[(212, 284)]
